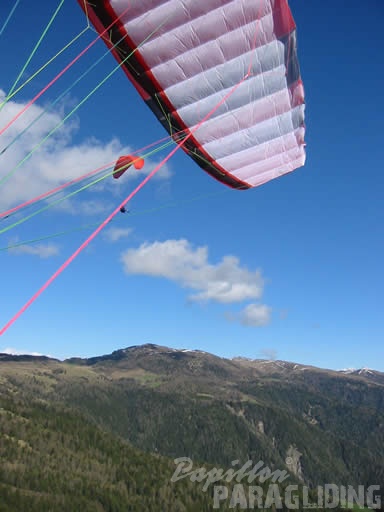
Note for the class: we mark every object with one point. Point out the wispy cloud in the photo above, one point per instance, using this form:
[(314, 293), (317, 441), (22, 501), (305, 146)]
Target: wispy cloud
[(269, 353), (256, 315), (114, 234), (87, 207), (41, 250), (226, 281), (253, 315), (15, 352)]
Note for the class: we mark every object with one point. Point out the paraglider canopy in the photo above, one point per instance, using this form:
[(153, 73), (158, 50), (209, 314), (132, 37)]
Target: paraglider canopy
[(234, 60), (124, 162)]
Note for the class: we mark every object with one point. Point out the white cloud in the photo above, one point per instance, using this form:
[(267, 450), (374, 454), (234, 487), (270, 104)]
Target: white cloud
[(41, 250), (256, 315), (225, 282), (253, 315), (56, 161), (87, 207), (15, 352), (114, 234)]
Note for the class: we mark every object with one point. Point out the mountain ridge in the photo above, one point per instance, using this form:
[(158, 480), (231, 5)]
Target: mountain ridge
[(146, 349), (190, 403)]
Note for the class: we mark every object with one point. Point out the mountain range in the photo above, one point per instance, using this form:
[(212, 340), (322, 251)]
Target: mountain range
[(320, 426)]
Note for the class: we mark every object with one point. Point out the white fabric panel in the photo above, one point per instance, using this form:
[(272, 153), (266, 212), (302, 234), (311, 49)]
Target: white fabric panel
[(203, 33), (267, 150), (257, 134), (266, 64), (258, 179), (245, 116), (252, 89), (198, 51), (176, 15), (281, 160)]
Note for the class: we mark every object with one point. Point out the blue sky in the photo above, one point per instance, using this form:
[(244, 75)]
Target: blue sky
[(310, 243)]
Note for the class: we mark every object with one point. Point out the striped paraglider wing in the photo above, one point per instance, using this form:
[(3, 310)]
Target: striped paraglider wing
[(183, 56)]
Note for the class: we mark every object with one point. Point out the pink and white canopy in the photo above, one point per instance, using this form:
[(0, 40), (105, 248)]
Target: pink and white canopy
[(185, 56)]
